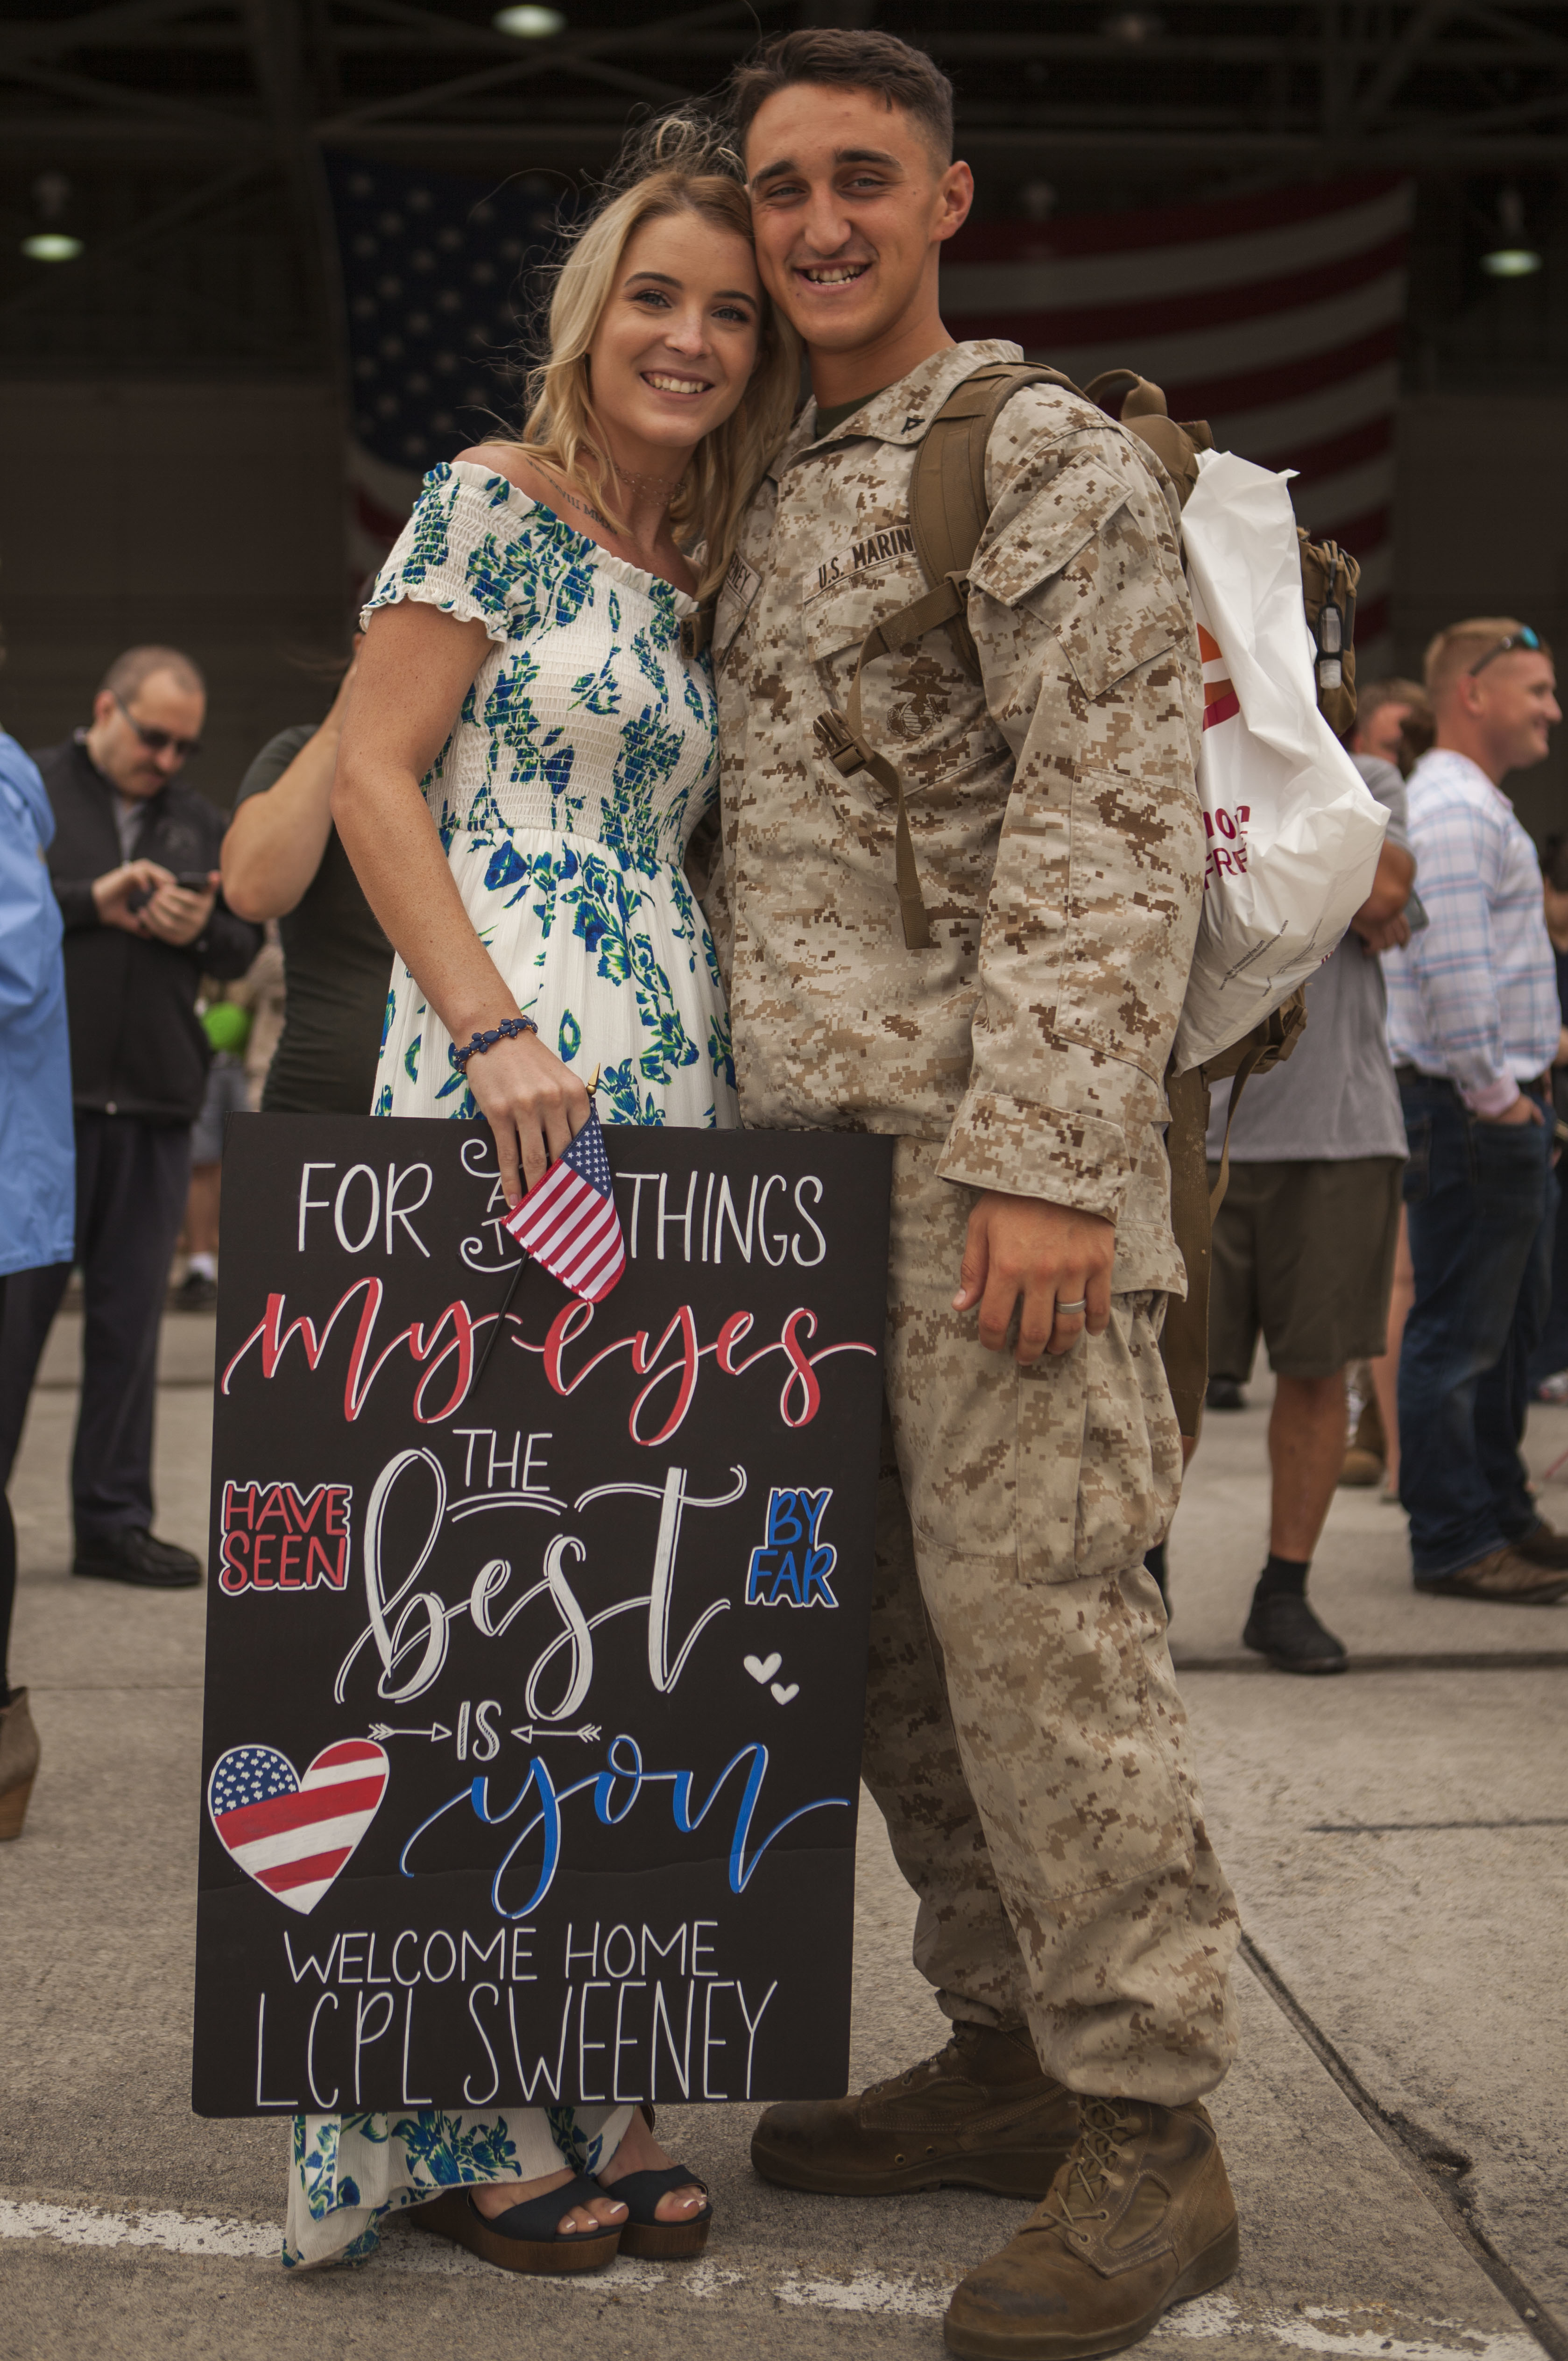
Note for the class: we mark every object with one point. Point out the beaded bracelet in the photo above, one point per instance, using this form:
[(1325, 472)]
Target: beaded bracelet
[(509, 1027)]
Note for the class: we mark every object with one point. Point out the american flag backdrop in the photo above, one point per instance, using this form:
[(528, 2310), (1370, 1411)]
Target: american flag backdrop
[(435, 271), (1276, 317)]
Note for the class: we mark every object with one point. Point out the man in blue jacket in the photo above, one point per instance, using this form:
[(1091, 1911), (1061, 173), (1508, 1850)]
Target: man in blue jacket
[(135, 867), (35, 1153)]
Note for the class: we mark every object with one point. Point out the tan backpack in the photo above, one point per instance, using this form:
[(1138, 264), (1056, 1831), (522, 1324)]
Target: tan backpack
[(947, 513)]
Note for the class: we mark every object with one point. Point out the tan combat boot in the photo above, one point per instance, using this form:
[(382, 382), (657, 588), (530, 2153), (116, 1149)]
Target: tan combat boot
[(1139, 2217), (980, 2114)]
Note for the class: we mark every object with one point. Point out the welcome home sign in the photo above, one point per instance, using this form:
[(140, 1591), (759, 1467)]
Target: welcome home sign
[(533, 1697)]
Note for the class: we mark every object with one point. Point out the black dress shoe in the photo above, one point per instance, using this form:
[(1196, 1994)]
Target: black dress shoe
[(1225, 1393), (195, 1292), (131, 1554), (170, 1554), (1283, 1628)]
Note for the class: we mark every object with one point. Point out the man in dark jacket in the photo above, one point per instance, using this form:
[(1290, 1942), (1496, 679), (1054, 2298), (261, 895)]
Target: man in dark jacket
[(135, 867)]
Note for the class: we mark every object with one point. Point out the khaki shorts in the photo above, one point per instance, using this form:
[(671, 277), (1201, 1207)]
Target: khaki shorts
[(1304, 1252)]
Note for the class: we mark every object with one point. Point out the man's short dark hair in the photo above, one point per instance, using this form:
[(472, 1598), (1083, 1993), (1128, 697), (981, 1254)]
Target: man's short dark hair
[(130, 671), (834, 58)]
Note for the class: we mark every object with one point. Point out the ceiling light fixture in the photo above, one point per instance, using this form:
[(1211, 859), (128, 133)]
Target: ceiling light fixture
[(51, 246), (1513, 257), (530, 24), (1133, 27)]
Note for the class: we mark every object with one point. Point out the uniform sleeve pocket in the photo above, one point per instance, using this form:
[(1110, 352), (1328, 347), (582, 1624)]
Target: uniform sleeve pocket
[(1083, 558), (1051, 529)]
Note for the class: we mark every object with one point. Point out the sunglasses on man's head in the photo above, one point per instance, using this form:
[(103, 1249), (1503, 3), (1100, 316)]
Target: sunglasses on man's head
[(159, 742), (1523, 638)]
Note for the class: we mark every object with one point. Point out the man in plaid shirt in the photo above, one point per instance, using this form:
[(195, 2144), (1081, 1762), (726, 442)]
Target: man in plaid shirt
[(1473, 1025)]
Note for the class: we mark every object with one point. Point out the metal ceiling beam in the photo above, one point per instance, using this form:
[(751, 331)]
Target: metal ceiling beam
[(550, 56), (636, 85), (276, 32), (1550, 45), (1420, 30), (101, 27), (1307, 110), (118, 97), (1297, 46), (1441, 147)]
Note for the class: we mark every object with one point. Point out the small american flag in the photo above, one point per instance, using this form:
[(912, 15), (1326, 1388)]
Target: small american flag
[(569, 1221)]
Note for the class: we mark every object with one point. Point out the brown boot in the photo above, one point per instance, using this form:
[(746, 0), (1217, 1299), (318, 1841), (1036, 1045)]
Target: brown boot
[(18, 1763), (1506, 1576), (1140, 2217), (980, 2114)]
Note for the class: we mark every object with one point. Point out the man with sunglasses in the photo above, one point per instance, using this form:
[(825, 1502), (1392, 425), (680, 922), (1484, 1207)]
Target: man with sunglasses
[(1473, 1025), (135, 868)]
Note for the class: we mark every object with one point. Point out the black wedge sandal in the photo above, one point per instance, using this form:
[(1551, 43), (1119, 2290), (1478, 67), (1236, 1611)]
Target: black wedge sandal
[(643, 2234), (528, 2237)]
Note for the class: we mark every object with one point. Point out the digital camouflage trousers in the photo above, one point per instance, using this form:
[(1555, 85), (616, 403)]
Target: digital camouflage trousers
[(1025, 1740)]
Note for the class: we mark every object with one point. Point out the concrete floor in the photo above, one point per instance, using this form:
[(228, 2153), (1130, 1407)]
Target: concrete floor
[(1396, 1838)]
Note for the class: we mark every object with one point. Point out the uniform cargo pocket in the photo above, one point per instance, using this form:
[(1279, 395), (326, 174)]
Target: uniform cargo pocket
[(1099, 1456)]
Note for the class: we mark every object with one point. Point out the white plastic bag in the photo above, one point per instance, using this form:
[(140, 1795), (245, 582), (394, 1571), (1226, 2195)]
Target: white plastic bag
[(1292, 832)]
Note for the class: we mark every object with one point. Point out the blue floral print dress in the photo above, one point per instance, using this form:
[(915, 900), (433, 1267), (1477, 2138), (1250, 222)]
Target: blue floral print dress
[(585, 753)]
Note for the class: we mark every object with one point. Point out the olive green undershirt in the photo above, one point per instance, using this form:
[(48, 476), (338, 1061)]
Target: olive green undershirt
[(827, 422)]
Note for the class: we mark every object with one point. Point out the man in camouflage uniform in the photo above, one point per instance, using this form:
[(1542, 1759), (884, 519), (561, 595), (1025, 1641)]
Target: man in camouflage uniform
[(1025, 1739)]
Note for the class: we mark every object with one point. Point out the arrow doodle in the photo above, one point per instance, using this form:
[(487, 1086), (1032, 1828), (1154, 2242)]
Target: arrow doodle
[(590, 1731), (379, 1730)]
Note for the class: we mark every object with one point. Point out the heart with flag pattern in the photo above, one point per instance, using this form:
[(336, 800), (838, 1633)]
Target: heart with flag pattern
[(295, 1836)]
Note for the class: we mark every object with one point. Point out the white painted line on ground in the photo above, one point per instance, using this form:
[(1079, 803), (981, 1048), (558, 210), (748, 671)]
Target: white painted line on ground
[(884, 2292), (177, 2233), (1351, 2330), (1364, 2331)]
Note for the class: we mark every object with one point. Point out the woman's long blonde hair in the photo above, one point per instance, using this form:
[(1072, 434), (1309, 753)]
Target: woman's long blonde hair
[(676, 167)]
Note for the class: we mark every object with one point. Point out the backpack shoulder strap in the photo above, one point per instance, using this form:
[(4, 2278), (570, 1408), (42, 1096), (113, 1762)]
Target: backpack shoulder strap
[(948, 507), (947, 513)]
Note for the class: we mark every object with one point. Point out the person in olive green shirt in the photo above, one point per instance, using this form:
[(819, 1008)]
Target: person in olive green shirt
[(283, 859)]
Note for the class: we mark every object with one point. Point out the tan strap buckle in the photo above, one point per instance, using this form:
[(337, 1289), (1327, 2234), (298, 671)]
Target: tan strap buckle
[(839, 743)]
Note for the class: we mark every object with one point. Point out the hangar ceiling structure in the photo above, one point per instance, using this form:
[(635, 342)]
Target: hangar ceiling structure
[(179, 141)]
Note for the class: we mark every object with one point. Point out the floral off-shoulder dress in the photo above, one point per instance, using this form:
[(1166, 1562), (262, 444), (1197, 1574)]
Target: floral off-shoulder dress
[(585, 754)]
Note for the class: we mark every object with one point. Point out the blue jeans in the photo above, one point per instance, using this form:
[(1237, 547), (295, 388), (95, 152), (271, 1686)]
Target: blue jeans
[(1552, 1354), (1483, 1203)]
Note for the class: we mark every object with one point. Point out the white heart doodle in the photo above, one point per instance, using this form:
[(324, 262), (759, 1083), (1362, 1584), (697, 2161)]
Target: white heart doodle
[(782, 1696), (763, 1668)]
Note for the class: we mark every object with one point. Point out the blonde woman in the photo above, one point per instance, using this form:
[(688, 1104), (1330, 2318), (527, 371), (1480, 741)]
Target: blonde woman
[(531, 740)]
